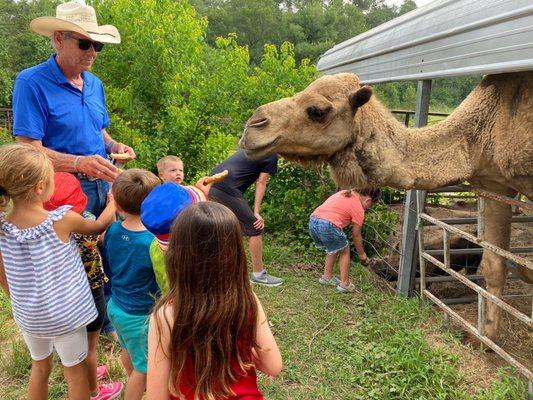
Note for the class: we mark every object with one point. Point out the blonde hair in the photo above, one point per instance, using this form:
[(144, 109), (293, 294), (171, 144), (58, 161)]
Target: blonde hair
[(163, 160), (131, 187), (22, 166)]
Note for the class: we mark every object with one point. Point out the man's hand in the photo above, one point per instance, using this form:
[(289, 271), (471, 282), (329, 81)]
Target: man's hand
[(98, 167), (365, 261), (121, 148), (259, 222)]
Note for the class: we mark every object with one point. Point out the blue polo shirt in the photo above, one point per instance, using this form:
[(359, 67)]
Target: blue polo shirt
[(48, 108)]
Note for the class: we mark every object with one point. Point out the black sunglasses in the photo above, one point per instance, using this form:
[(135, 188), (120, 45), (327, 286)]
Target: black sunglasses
[(85, 44)]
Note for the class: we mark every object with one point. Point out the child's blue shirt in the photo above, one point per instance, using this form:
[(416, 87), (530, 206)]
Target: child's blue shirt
[(127, 255)]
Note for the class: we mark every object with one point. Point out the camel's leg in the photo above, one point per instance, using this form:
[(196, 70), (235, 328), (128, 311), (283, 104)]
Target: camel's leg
[(493, 267)]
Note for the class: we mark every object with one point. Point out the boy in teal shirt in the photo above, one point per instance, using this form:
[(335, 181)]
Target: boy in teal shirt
[(133, 285)]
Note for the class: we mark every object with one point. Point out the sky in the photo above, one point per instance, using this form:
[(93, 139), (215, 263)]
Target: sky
[(419, 3)]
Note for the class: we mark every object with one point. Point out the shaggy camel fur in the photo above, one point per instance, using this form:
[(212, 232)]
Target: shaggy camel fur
[(488, 141)]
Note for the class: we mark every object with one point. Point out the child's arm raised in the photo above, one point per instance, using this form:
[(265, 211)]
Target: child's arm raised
[(268, 360), (3, 279), (158, 375), (74, 222), (358, 242)]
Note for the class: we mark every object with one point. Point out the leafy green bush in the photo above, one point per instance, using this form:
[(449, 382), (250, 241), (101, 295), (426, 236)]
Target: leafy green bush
[(5, 136), (292, 195), (379, 224)]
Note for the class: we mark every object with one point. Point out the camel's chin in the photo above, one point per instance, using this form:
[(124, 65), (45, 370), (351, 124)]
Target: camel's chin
[(304, 159)]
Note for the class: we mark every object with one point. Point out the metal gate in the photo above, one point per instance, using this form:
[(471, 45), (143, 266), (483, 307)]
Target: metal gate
[(482, 294)]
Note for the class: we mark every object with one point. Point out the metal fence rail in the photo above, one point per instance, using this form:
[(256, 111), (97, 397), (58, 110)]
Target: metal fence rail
[(482, 294)]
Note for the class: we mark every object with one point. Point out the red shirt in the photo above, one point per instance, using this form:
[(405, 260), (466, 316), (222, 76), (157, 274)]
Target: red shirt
[(341, 210), (245, 388)]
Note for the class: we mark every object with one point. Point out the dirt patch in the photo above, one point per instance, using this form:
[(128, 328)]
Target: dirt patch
[(478, 371)]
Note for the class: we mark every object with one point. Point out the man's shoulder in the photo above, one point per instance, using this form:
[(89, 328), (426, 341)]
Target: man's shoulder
[(33, 74)]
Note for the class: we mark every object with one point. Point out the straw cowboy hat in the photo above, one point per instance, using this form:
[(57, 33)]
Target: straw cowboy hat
[(76, 17)]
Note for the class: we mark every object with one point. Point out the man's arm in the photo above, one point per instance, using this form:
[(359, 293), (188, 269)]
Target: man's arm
[(112, 146), (260, 188), (358, 242), (95, 166)]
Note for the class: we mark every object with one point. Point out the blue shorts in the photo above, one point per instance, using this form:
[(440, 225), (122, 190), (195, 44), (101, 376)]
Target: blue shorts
[(327, 236), (132, 332)]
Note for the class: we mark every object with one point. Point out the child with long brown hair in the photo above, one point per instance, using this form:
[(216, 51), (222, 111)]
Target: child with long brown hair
[(209, 333)]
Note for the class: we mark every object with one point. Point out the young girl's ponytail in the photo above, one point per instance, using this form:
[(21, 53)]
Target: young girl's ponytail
[(373, 193)]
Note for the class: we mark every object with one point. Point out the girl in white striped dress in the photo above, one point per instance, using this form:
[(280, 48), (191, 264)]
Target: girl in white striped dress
[(41, 269)]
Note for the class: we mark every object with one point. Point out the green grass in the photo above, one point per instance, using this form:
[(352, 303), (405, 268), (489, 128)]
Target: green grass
[(367, 345)]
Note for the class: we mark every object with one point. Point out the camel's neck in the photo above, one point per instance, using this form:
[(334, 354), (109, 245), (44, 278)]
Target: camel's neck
[(389, 154)]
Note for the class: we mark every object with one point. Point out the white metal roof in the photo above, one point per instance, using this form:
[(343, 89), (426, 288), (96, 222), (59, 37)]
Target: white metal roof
[(444, 38)]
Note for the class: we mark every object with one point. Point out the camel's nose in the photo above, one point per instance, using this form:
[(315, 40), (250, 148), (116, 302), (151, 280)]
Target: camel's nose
[(259, 119), (256, 123)]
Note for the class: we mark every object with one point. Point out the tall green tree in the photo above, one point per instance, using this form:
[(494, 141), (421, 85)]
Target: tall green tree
[(170, 93), (20, 48)]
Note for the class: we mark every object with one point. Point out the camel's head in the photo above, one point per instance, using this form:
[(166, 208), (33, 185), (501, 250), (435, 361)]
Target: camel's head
[(311, 125)]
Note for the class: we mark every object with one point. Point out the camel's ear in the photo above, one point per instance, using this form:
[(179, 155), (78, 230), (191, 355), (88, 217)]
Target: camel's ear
[(360, 97)]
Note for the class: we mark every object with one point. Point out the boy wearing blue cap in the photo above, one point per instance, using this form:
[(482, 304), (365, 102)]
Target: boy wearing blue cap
[(133, 286), (159, 210)]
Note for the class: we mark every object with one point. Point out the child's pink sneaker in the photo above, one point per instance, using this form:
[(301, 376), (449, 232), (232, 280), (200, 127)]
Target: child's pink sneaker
[(108, 391), (101, 372)]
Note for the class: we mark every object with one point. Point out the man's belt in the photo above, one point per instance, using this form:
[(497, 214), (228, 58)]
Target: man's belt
[(86, 177)]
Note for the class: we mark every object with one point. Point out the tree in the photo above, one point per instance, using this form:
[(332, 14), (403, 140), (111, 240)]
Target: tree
[(20, 48), (170, 93)]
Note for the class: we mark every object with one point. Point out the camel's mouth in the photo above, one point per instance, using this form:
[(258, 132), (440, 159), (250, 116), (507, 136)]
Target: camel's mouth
[(258, 150)]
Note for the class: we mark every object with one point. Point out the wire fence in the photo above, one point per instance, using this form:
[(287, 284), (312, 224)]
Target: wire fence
[(6, 119)]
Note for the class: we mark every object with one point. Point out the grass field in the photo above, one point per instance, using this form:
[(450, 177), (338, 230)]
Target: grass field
[(365, 345)]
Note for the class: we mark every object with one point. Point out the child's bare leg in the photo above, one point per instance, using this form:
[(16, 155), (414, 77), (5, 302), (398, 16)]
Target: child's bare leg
[(136, 386), (328, 267), (40, 372), (126, 361), (76, 377), (91, 361), (344, 266)]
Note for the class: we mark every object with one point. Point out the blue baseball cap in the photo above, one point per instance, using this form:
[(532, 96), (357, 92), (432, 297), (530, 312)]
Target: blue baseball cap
[(164, 203)]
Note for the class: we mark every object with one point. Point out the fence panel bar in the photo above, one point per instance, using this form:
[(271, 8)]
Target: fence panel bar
[(486, 245), (498, 350), (522, 317), (480, 218), (481, 319), (498, 197)]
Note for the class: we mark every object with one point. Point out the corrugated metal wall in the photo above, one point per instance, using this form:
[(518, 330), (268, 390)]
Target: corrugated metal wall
[(444, 38)]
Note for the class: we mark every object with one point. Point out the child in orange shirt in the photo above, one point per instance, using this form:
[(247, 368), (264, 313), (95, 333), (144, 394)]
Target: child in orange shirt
[(326, 226)]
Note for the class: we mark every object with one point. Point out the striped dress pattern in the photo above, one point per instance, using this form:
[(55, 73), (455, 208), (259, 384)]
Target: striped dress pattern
[(49, 290)]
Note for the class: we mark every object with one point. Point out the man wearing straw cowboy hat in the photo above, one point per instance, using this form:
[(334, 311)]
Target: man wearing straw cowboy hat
[(60, 107)]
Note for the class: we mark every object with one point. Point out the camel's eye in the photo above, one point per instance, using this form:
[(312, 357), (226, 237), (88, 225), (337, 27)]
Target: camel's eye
[(318, 114)]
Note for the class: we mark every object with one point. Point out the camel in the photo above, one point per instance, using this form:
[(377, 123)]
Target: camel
[(487, 141)]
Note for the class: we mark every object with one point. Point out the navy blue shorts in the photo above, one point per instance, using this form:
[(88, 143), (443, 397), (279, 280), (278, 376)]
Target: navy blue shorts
[(240, 208), (327, 236)]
